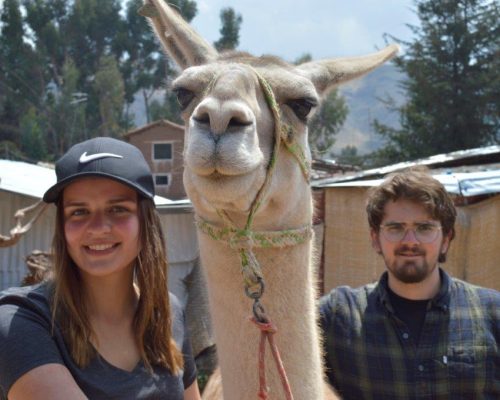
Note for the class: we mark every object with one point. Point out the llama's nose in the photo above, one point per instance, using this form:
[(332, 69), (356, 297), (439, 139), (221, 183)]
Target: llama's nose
[(221, 117)]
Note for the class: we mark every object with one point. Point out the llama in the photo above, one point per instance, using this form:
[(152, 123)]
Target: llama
[(246, 172)]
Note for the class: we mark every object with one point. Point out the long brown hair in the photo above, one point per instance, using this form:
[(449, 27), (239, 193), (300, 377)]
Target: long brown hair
[(152, 320)]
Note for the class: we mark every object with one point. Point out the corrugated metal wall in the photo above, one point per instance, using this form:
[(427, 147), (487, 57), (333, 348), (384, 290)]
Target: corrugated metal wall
[(39, 237), (182, 251)]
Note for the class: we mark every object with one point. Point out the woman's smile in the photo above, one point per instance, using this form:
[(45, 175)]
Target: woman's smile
[(101, 225)]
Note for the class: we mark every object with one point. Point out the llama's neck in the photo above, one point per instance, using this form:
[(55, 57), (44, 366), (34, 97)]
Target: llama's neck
[(289, 302)]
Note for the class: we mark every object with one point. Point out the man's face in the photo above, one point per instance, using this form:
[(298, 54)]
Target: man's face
[(413, 257)]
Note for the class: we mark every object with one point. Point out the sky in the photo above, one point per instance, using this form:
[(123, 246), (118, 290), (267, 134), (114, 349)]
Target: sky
[(323, 28)]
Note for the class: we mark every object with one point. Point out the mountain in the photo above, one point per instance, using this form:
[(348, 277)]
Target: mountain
[(362, 97)]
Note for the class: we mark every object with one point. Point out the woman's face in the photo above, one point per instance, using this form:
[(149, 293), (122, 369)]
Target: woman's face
[(101, 226)]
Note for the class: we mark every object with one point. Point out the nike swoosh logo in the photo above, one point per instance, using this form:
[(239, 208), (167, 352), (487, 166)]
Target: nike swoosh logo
[(84, 158)]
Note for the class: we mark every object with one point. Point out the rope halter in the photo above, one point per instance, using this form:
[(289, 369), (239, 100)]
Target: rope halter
[(245, 240)]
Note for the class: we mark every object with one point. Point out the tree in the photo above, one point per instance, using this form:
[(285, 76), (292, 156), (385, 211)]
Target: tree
[(230, 30), (32, 139), (48, 20), (19, 89), (187, 8), (111, 94), (169, 109), (145, 69), (70, 68), (39, 71), (93, 31), (453, 85), (327, 121), (349, 155), (66, 118)]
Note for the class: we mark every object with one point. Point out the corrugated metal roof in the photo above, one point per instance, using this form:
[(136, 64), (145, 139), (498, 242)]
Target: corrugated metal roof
[(465, 184), (33, 180), (477, 156), (23, 178)]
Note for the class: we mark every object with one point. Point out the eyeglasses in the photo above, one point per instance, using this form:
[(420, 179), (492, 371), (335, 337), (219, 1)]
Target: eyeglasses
[(424, 232)]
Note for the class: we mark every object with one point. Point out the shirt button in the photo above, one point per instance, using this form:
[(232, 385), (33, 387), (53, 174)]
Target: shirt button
[(405, 336), (421, 368)]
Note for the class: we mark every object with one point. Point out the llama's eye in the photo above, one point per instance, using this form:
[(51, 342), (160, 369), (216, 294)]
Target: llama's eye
[(184, 96), (302, 107)]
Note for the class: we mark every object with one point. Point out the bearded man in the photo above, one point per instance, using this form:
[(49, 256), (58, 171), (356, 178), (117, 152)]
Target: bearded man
[(417, 333)]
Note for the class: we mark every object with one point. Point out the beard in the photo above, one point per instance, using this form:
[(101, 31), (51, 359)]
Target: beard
[(410, 271)]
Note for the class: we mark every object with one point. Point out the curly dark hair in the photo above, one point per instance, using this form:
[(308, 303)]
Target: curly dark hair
[(415, 184)]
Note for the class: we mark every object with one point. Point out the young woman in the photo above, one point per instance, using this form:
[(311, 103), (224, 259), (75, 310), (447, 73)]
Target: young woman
[(104, 326)]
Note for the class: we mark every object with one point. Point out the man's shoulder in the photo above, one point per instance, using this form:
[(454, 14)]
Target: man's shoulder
[(349, 291), (349, 297), (466, 290)]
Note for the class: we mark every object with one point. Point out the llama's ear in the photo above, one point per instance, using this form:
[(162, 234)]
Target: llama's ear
[(326, 74), (178, 38)]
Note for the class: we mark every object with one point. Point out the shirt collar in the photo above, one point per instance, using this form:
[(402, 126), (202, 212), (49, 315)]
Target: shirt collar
[(441, 300)]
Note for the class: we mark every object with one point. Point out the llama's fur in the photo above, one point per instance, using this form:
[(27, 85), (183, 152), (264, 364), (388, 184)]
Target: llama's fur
[(228, 145)]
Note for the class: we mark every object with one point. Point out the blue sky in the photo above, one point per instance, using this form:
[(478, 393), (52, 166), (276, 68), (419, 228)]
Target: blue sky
[(323, 28)]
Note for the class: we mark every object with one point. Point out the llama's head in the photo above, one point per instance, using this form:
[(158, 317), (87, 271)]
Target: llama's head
[(232, 105)]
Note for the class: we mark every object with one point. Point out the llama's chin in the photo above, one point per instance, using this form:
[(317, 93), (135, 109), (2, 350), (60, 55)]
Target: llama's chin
[(227, 192)]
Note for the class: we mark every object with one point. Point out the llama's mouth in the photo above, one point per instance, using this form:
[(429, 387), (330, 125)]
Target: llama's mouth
[(221, 174), (216, 175), (220, 189)]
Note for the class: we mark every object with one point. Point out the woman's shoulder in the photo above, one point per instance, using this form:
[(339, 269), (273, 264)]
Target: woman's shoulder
[(37, 292), (35, 298)]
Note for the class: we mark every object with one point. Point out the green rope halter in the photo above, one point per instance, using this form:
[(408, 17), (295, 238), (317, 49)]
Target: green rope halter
[(244, 240)]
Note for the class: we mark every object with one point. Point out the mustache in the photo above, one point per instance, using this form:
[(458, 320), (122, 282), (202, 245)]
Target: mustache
[(407, 250)]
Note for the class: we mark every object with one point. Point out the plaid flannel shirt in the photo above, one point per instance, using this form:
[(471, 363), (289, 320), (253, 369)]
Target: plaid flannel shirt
[(369, 353)]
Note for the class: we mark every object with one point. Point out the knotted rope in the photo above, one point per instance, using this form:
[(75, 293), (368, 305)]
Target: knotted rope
[(268, 330), (243, 241), (283, 133)]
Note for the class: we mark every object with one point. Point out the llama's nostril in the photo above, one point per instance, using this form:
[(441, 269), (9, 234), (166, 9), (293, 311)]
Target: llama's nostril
[(238, 123), (202, 119)]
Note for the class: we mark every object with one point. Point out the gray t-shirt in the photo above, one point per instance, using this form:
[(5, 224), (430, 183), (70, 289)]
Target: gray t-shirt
[(26, 343)]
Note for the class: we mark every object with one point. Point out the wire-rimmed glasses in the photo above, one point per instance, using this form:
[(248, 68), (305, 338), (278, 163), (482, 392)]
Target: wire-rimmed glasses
[(425, 232)]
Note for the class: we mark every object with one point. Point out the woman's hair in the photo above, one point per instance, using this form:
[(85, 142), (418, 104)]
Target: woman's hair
[(152, 320), (414, 184)]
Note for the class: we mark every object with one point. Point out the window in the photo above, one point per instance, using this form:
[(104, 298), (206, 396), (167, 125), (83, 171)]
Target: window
[(161, 180), (162, 151)]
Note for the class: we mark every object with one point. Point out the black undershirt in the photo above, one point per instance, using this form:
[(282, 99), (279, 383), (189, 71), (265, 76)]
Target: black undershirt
[(411, 312)]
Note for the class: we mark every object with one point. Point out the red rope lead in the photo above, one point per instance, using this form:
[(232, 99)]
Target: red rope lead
[(267, 331)]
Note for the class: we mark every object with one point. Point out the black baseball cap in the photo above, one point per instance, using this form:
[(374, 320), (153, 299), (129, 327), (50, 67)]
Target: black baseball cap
[(105, 157)]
